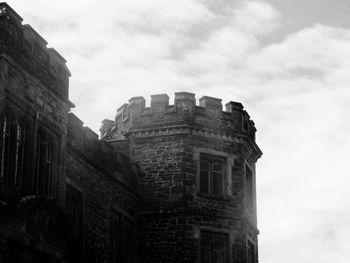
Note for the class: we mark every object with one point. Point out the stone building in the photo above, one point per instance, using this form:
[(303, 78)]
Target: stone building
[(165, 183)]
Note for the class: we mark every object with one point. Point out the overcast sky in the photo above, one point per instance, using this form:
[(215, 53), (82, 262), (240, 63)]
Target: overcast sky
[(287, 61)]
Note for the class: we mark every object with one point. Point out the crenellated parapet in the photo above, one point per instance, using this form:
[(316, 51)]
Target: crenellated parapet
[(84, 143), (207, 118), (23, 45)]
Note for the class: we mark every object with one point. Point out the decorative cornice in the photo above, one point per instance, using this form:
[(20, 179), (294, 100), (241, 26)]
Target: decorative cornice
[(253, 150)]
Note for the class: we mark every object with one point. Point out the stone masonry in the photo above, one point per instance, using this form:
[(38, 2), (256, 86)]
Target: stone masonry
[(166, 142)]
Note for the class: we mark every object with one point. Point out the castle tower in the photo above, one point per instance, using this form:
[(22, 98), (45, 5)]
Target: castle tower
[(34, 106), (197, 187), (33, 127)]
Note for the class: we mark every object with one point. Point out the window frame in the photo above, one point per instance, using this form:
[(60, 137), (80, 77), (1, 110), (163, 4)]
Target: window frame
[(215, 178), (43, 174), (13, 150), (253, 244), (20, 155), (227, 165), (249, 186), (215, 233), (74, 191), (128, 248), (5, 147)]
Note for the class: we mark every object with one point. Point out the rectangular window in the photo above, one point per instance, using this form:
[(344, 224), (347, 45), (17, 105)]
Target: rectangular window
[(43, 164), (212, 175), (5, 150), (20, 155), (251, 257), (12, 152), (213, 247), (121, 239), (249, 187), (74, 208)]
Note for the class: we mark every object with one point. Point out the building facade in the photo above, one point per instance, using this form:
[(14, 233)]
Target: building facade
[(165, 183)]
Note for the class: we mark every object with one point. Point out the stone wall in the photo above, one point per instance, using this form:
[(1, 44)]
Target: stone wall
[(167, 142), (24, 45), (33, 101), (33, 93), (106, 181)]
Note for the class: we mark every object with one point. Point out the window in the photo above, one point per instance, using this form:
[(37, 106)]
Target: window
[(5, 148), (74, 208), (43, 164), (249, 188), (12, 152), (213, 247), (14, 170), (251, 258), (211, 175), (19, 155), (121, 239)]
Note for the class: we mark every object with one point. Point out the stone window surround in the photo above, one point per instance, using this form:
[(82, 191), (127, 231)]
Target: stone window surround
[(45, 158), (227, 178), (70, 184), (13, 140), (197, 235), (31, 127), (252, 170), (250, 240), (124, 217)]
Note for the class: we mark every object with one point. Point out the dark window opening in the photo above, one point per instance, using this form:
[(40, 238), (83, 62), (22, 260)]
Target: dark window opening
[(213, 247), (249, 187), (250, 252), (43, 165), (20, 155), (204, 177), (121, 239), (15, 167), (211, 175), (5, 149), (12, 152), (74, 208)]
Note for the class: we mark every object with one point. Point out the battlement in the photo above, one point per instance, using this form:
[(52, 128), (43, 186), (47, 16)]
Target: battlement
[(25, 46), (208, 114), (85, 143)]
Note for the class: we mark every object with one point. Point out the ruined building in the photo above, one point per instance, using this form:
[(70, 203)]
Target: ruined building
[(165, 183)]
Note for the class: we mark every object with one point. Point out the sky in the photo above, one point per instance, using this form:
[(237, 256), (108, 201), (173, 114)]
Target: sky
[(287, 61)]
